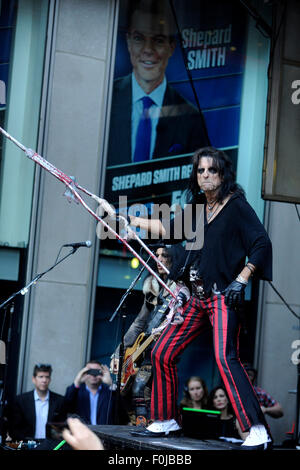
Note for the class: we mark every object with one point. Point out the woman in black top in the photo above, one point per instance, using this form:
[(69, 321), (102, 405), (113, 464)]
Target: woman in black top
[(219, 274), (229, 426)]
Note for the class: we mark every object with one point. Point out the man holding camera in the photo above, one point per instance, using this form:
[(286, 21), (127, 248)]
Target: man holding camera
[(91, 394)]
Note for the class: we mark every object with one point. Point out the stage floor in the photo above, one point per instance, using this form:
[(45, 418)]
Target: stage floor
[(119, 438)]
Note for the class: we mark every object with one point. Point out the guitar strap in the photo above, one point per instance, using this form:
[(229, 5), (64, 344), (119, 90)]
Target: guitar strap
[(158, 315)]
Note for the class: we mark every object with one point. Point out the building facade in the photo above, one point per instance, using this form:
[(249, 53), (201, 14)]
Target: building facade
[(59, 65)]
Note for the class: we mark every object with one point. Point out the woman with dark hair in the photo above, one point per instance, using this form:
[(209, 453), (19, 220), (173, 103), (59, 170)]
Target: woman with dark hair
[(195, 393), (226, 245), (218, 400)]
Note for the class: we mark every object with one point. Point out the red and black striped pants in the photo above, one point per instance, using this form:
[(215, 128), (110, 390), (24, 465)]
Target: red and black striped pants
[(199, 315)]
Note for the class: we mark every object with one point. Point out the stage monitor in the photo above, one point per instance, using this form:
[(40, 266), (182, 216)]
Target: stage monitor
[(201, 424)]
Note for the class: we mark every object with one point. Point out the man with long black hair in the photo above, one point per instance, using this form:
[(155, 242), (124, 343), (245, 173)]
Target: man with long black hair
[(236, 246)]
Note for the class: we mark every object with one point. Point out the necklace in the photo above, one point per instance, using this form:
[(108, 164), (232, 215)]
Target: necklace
[(211, 212), (211, 205)]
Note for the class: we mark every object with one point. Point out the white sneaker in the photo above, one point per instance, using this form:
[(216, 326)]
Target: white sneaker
[(258, 437), (164, 426), (159, 429)]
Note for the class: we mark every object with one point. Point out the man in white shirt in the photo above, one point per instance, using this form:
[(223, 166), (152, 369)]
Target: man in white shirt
[(41, 399), (32, 410)]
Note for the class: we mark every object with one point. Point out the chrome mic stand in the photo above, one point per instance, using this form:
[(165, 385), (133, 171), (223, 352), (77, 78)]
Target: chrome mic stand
[(122, 308), (4, 305)]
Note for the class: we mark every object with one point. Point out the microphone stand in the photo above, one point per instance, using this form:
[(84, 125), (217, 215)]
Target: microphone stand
[(122, 308), (24, 290), (5, 305)]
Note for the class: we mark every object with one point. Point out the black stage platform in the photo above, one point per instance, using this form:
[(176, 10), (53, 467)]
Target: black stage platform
[(119, 438)]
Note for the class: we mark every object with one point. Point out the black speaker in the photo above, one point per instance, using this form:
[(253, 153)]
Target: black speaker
[(281, 169)]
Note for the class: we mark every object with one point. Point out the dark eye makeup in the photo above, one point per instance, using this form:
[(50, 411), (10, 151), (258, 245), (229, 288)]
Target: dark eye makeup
[(213, 170)]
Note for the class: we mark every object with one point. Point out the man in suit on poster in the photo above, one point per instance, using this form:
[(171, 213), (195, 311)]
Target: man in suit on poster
[(145, 98)]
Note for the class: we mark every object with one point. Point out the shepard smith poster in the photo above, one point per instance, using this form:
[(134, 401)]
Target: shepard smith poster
[(177, 87)]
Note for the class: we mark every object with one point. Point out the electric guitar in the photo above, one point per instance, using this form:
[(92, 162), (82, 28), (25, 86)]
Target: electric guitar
[(133, 353)]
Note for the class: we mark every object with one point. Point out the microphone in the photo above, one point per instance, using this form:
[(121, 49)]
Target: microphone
[(87, 244)]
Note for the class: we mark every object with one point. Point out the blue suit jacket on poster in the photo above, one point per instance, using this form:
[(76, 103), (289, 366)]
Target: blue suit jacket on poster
[(77, 401), (180, 129)]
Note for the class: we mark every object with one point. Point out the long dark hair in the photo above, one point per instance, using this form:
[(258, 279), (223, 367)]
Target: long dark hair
[(225, 169), (212, 395), (176, 254)]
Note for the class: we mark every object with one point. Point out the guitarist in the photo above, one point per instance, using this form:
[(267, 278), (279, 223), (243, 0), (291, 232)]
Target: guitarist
[(151, 315)]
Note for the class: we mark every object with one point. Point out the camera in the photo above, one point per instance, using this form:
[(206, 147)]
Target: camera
[(94, 372)]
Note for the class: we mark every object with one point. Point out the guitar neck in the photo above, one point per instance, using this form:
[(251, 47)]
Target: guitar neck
[(142, 348), (149, 340)]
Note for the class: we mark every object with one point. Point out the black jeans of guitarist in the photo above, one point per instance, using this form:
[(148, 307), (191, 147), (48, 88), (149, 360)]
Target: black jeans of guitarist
[(141, 393)]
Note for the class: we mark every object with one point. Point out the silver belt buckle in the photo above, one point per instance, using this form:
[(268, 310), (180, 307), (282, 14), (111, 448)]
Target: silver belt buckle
[(198, 289), (215, 290)]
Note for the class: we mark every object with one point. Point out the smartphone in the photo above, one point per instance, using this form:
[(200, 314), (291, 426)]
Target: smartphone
[(94, 372)]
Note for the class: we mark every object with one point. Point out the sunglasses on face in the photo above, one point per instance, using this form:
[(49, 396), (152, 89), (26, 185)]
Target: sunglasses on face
[(211, 170)]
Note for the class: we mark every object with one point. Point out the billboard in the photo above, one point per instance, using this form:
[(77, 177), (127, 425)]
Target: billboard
[(190, 62)]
